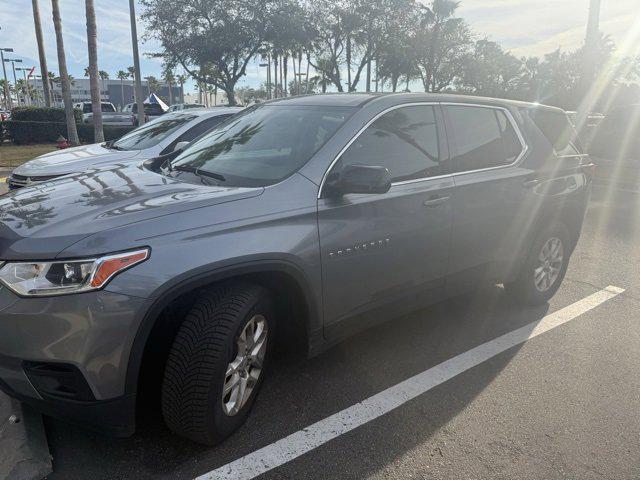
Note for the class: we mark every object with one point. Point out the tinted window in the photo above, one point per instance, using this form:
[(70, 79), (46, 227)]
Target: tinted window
[(202, 127), (482, 137), (107, 107), (264, 145), (152, 133), (555, 126), (405, 141)]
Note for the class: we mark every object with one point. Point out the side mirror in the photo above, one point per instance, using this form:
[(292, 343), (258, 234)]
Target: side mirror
[(359, 179), (180, 146)]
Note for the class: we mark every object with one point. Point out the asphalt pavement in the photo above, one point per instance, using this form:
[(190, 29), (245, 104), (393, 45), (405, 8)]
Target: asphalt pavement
[(560, 404)]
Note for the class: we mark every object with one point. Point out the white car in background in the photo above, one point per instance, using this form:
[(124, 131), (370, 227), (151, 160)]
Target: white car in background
[(166, 134), (109, 114)]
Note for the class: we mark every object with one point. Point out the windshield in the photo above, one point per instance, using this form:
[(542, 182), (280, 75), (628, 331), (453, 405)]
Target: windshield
[(263, 145), (152, 133)]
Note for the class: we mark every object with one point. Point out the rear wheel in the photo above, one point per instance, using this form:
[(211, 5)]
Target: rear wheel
[(217, 362), (545, 266)]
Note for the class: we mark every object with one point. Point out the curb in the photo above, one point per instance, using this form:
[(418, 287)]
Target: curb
[(24, 452)]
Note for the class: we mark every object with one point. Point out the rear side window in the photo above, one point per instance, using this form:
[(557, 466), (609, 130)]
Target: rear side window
[(482, 137), (107, 107), (405, 141), (555, 126)]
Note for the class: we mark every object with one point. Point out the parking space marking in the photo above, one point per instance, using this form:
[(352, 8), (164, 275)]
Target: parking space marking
[(307, 439)]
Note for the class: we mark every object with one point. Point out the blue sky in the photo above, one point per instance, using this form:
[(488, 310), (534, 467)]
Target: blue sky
[(526, 27)]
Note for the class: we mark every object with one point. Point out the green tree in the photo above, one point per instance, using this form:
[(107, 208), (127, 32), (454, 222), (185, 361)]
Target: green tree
[(225, 35)]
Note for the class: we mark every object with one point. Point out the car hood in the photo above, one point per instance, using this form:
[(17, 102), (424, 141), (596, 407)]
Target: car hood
[(73, 160), (40, 221)]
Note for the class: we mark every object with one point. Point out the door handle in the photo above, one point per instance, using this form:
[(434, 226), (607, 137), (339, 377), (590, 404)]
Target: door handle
[(435, 200), (532, 183)]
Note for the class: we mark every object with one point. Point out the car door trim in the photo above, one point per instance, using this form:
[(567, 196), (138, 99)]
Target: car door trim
[(507, 112)]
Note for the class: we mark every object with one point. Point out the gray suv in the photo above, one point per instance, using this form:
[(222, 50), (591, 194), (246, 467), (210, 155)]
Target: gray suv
[(297, 222)]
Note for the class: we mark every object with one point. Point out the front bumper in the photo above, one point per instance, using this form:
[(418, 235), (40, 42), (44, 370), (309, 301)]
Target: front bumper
[(88, 334)]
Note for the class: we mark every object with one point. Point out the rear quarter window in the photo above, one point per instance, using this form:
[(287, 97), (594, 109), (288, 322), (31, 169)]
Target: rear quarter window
[(556, 126)]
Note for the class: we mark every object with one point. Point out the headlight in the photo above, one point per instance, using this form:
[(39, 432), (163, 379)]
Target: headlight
[(57, 278)]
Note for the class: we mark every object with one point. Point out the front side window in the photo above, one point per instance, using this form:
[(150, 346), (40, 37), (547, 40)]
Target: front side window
[(404, 140), (152, 133), (482, 137), (263, 145)]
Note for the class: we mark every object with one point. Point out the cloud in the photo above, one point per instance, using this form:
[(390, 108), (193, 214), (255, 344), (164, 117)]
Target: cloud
[(114, 36), (536, 27)]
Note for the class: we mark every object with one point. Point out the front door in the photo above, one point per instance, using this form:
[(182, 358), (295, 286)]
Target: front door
[(386, 254)]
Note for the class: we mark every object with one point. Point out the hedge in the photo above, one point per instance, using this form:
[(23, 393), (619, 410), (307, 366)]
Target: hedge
[(43, 125), (42, 114)]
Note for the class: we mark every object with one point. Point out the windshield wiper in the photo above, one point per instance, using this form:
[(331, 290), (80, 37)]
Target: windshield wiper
[(197, 171), (111, 145)]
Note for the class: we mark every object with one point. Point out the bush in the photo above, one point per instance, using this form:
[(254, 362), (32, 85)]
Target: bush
[(38, 124), (42, 114), (42, 125)]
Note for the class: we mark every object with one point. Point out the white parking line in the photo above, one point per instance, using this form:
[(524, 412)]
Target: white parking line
[(307, 439)]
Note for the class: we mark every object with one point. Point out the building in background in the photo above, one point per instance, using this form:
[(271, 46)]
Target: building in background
[(110, 91)]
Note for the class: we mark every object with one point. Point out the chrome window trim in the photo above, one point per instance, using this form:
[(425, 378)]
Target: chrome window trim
[(510, 118), (516, 128), (359, 132)]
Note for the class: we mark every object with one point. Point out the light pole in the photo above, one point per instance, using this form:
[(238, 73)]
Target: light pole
[(136, 62), (13, 66), (7, 97), (268, 65)]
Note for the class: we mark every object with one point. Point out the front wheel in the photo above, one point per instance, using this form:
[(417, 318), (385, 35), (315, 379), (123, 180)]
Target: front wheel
[(545, 267), (217, 362)]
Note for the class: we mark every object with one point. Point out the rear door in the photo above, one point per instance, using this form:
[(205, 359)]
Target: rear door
[(492, 205), (385, 254)]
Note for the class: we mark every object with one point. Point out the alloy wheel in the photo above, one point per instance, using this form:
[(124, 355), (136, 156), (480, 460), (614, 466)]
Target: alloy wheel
[(244, 371)]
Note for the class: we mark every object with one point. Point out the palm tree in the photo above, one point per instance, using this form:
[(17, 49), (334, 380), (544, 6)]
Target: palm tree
[(132, 75), (41, 53), (168, 77), (181, 80), (152, 84), (51, 79), (122, 76), (103, 76), (72, 132), (96, 96)]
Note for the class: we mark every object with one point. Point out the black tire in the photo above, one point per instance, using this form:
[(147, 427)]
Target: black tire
[(523, 289), (205, 344)]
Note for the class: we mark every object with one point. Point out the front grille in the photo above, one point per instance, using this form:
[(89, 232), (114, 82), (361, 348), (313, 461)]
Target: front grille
[(19, 181)]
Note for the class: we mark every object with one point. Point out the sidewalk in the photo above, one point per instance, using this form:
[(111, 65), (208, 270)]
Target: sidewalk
[(24, 452)]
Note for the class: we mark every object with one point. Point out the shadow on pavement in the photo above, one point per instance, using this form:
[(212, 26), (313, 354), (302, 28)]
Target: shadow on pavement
[(298, 393)]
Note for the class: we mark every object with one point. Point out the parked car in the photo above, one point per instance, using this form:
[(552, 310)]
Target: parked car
[(109, 114), (616, 147), (151, 111), (298, 221), (158, 137), (184, 106)]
